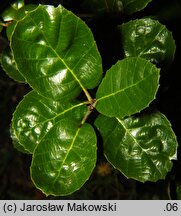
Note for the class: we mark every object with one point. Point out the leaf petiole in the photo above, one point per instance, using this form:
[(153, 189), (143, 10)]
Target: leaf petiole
[(88, 96)]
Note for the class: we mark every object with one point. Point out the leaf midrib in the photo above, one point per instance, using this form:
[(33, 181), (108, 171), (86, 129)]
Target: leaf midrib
[(137, 143), (55, 52), (51, 119), (124, 89), (59, 57), (63, 162)]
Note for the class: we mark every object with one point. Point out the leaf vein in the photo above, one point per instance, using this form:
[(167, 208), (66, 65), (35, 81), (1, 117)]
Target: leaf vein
[(136, 142), (122, 90)]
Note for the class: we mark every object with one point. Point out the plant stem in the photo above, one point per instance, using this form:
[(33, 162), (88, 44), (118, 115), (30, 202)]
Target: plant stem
[(91, 107)]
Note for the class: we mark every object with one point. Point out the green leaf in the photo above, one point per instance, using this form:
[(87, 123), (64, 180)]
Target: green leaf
[(11, 13), (9, 66), (36, 115), (132, 6), (18, 4), (15, 13), (141, 147), (18, 16), (148, 39), (103, 6), (64, 159), (60, 52), (16, 142), (127, 88)]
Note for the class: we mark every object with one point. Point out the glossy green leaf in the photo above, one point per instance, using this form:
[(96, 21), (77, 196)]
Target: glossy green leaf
[(141, 147), (127, 88), (18, 4), (148, 39), (18, 16), (64, 159), (9, 66), (60, 52), (11, 13), (103, 6), (132, 6), (36, 115), (16, 142)]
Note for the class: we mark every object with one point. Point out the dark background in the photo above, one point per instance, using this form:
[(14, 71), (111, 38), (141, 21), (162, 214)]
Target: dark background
[(105, 182)]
